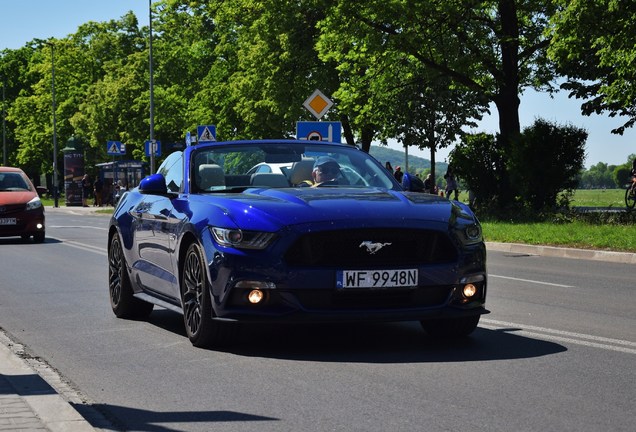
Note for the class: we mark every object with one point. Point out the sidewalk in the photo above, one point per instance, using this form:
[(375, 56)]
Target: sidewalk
[(27, 401), (78, 210)]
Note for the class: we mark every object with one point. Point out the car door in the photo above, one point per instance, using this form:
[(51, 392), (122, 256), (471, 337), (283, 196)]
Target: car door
[(156, 231)]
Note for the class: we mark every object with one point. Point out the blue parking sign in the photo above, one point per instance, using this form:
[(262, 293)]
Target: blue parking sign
[(319, 131), (157, 148)]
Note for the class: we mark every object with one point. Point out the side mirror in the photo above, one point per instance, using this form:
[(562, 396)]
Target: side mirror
[(154, 184)]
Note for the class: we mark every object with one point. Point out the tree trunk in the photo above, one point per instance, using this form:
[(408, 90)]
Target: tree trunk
[(348, 133), (507, 99), (433, 146), (366, 136)]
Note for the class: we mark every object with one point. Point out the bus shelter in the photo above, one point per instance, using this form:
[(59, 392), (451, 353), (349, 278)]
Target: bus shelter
[(119, 176)]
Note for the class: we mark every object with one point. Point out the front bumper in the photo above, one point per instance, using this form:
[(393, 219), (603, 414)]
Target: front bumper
[(26, 223), (313, 297)]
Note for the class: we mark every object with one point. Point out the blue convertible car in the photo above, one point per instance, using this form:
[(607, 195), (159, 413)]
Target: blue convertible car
[(292, 231)]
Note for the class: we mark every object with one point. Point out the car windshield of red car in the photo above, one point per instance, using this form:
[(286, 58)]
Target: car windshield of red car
[(12, 182)]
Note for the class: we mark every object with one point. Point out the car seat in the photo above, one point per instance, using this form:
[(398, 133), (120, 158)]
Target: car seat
[(301, 171), (210, 175)]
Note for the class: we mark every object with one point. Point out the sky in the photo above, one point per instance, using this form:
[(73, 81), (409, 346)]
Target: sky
[(24, 20)]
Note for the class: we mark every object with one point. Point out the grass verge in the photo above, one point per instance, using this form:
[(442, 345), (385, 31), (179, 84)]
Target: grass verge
[(577, 234)]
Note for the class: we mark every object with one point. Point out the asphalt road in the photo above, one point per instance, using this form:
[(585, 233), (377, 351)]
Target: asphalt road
[(557, 353)]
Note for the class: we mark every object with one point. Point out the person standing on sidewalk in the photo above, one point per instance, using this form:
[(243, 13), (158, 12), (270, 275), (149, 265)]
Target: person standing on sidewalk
[(97, 191), (86, 189)]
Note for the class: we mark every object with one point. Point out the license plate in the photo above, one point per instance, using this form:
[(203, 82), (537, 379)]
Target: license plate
[(7, 221), (377, 278)]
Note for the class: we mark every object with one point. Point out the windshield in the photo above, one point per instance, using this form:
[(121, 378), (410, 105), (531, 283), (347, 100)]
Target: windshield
[(12, 181), (285, 165)]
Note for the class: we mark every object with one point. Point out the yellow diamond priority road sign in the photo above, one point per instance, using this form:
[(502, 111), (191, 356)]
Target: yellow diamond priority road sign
[(318, 104)]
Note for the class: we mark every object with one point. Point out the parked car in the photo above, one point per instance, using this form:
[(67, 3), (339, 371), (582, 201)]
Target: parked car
[(204, 238), (21, 211)]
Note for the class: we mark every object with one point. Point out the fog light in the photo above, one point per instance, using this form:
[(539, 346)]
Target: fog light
[(255, 296), (469, 290), (39, 226)]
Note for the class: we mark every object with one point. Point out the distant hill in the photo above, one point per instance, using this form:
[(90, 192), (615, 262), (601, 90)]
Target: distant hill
[(396, 157)]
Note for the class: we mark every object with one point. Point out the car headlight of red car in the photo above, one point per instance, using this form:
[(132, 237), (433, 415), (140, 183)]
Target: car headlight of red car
[(35, 203)]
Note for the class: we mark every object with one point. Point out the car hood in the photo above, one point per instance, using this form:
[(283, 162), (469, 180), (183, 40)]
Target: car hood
[(270, 209), (16, 197)]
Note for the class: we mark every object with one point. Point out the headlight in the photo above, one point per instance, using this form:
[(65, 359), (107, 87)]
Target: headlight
[(473, 233), (240, 239), (34, 204)]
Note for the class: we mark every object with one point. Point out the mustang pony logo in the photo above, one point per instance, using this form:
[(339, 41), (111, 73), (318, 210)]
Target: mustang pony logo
[(373, 247)]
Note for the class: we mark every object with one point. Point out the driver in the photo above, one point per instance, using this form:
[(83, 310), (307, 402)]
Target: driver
[(325, 171)]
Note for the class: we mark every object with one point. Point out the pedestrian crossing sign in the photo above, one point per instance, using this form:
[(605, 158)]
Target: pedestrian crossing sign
[(115, 148), (206, 133)]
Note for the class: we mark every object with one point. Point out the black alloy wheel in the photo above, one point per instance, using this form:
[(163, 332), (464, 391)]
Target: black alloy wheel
[(120, 290), (202, 330)]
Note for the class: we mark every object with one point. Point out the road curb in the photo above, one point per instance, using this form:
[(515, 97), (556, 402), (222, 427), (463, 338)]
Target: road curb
[(561, 252), (32, 403)]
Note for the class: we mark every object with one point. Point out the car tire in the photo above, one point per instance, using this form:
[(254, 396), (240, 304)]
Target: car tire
[(201, 329), (122, 301), (451, 327), (38, 237)]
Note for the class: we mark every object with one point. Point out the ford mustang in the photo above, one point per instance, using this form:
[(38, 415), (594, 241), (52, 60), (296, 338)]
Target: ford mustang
[(333, 237)]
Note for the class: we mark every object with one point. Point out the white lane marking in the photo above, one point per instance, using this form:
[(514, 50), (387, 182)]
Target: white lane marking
[(531, 281), (563, 336), (82, 246), (77, 226)]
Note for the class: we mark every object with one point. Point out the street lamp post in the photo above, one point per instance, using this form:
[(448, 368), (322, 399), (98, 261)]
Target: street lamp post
[(152, 97), (4, 126), (55, 186)]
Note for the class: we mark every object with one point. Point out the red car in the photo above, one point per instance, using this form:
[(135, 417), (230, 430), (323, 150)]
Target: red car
[(21, 211)]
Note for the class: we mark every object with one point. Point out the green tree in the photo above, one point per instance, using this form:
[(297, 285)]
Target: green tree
[(547, 161), (493, 48), (479, 161), (14, 77), (114, 105), (428, 112), (594, 45), (274, 65), (621, 175), (80, 60), (185, 65), (598, 176)]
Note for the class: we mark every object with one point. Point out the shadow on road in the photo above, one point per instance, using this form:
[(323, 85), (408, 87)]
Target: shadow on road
[(152, 421), (370, 343)]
